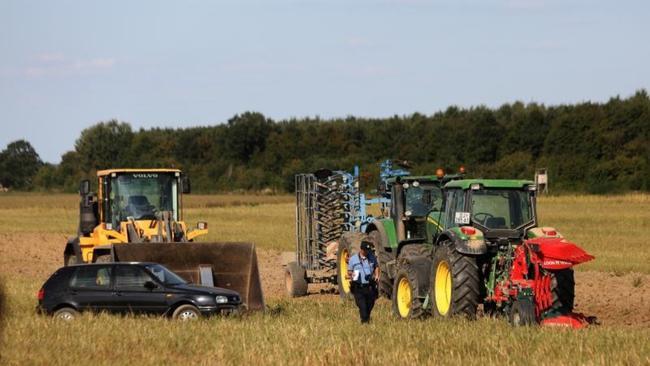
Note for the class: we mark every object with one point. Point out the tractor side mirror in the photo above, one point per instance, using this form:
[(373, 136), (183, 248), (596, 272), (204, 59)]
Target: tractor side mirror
[(185, 185), (84, 187)]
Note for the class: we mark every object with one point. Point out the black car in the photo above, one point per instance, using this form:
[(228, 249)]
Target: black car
[(130, 288)]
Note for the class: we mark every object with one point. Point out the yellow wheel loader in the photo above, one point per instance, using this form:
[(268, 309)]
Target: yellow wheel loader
[(136, 216)]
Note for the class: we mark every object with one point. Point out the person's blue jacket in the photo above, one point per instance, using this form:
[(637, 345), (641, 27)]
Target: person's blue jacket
[(365, 266)]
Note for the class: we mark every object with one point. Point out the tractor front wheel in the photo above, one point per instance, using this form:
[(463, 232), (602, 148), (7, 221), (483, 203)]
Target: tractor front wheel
[(406, 303), (455, 284)]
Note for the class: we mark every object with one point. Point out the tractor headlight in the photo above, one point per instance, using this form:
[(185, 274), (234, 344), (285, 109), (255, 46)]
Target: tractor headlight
[(221, 299), (408, 213), (475, 186)]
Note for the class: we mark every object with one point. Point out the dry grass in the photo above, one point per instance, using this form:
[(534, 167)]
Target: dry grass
[(319, 329)]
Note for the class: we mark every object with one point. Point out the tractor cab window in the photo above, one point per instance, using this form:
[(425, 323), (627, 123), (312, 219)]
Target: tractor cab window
[(454, 202), (501, 208), (142, 196), (422, 199)]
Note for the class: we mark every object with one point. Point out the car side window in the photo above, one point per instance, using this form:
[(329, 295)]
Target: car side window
[(131, 277), (91, 277)]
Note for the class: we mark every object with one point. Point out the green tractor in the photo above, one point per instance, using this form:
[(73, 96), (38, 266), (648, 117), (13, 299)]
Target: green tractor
[(475, 242)]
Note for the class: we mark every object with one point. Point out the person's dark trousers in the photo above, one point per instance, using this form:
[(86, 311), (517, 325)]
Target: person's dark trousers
[(364, 296)]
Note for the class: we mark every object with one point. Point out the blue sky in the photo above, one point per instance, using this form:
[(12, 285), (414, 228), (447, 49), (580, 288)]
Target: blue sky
[(66, 65)]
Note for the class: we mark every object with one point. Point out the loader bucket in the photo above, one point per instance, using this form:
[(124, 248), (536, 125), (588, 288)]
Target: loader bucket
[(228, 265)]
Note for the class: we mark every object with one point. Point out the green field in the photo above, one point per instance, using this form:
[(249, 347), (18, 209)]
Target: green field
[(317, 329)]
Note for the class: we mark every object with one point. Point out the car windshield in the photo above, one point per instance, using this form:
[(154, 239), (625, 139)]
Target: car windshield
[(143, 195), (165, 276), (421, 199), (501, 208)]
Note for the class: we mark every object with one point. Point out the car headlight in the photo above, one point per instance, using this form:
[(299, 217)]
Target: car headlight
[(221, 299)]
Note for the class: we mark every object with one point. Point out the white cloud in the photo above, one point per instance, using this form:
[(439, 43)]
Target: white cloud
[(56, 64)]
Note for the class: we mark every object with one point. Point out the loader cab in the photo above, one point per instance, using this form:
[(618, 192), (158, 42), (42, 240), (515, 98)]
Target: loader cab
[(139, 194), (499, 208)]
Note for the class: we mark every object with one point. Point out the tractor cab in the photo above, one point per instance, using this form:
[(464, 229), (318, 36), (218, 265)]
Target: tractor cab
[(500, 209)]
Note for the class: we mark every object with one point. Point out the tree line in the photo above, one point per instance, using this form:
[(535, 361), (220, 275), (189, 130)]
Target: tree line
[(586, 147)]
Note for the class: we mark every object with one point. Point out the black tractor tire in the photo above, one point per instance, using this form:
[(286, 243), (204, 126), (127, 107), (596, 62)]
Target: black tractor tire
[(465, 287), (295, 280), (349, 245), (66, 313), (563, 289), (407, 291), (385, 284), (186, 312), (522, 313)]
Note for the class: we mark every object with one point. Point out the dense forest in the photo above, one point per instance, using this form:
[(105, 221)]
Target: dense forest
[(587, 147)]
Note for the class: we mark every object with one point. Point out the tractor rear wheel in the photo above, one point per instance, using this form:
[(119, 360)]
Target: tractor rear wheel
[(406, 301), (295, 280), (383, 257), (349, 245), (563, 290), (522, 313), (455, 283)]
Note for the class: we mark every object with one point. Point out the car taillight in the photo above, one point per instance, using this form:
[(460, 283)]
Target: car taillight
[(468, 230), (41, 294)]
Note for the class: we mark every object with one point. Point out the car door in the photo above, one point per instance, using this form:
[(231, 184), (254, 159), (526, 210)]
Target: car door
[(90, 287), (133, 292)]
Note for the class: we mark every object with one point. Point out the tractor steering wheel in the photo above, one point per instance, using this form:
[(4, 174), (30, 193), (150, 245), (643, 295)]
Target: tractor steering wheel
[(486, 217)]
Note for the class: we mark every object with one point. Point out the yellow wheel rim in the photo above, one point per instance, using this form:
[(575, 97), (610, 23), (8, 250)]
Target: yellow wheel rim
[(443, 288), (343, 270), (404, 297)]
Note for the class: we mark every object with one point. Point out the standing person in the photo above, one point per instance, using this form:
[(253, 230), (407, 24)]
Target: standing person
[(363, 271)]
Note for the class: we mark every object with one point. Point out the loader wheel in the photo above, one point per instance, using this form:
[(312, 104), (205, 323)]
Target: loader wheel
[(563, 290), (455, 284), (383, 257), (522, 313), (348, 246), (295, 280), (69, 260), (406, 303), (186, 313)]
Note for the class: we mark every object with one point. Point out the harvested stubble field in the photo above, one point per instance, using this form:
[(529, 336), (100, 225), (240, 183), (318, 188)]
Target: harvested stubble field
[(319, 329)]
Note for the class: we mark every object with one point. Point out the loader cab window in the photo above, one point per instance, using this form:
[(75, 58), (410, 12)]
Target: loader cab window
[(142, 196)]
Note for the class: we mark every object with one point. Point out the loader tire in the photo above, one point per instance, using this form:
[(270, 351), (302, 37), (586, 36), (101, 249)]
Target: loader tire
[(405, 298), (385, 284), (295, 280), (349, 244), (69, 260), (455, 283), (563, 290), (522, 313)]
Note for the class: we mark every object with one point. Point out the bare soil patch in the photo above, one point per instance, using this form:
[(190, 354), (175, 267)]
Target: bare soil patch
[(617, 300)]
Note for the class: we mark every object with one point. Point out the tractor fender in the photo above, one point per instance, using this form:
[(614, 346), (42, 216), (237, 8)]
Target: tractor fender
[(462, 243), (386, 228), (72, 248), (377, 226)]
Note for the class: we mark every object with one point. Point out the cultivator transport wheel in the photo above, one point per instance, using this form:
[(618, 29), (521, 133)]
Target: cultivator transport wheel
[(455, 284), (348, 246), (522, 313), (383, 257), (563, 290), (295, 279), (406, 303)]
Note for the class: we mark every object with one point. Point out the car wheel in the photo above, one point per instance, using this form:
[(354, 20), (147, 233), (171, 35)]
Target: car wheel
[(186, 312), (66, 314)]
